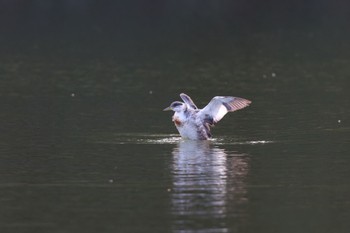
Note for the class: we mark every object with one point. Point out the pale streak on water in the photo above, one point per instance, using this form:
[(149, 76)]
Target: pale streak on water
[(139, 138), (203, 185)]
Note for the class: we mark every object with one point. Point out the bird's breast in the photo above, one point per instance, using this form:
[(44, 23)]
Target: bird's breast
[(177, 122)]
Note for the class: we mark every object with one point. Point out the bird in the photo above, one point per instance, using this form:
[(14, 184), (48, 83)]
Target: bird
[(194, 123)]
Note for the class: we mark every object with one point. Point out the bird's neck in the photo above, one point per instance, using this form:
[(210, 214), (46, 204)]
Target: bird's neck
[(181, 115)]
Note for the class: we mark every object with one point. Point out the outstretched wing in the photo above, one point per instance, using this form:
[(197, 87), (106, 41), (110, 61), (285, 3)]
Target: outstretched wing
[(220, 105), (188, 101)]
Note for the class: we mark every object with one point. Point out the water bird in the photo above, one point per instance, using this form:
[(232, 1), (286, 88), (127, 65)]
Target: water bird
[(194, 123)]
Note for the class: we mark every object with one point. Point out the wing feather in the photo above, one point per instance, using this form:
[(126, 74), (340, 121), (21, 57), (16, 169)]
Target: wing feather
[(188, 101), (220, 105)]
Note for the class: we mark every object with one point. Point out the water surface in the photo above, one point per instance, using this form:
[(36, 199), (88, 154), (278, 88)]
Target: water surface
[(85, 146)]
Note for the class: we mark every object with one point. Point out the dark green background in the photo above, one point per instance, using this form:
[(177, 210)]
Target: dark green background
[(85, 146)]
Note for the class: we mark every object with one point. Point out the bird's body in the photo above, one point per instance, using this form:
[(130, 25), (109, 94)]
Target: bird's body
[(193, 123), (190, 125)]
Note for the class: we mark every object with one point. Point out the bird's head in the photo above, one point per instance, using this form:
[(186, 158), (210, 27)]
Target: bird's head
[(176, 106)]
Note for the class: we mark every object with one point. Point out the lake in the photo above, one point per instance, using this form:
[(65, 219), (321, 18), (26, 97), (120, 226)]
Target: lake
[(86, 147)]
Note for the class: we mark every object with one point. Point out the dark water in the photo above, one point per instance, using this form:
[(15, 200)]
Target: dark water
[(85, 147)]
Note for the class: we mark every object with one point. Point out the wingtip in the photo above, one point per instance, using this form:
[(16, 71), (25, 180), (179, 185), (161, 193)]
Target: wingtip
[(237, 104), (246, 101), (188, 101)]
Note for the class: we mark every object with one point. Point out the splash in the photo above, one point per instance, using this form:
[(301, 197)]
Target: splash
[(139, 138)]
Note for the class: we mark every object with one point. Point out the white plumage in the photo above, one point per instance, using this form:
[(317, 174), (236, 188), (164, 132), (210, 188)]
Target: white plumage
[(193, 123)]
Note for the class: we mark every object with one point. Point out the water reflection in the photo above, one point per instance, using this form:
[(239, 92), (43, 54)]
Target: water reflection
[(208, 187)]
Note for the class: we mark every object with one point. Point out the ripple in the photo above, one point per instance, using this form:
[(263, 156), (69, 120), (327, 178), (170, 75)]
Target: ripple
[(140, 138)]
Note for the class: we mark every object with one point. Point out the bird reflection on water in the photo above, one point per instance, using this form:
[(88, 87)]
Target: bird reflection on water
[(209, 186)]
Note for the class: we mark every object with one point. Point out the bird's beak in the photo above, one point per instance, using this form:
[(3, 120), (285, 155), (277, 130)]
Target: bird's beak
[(167, 109)]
